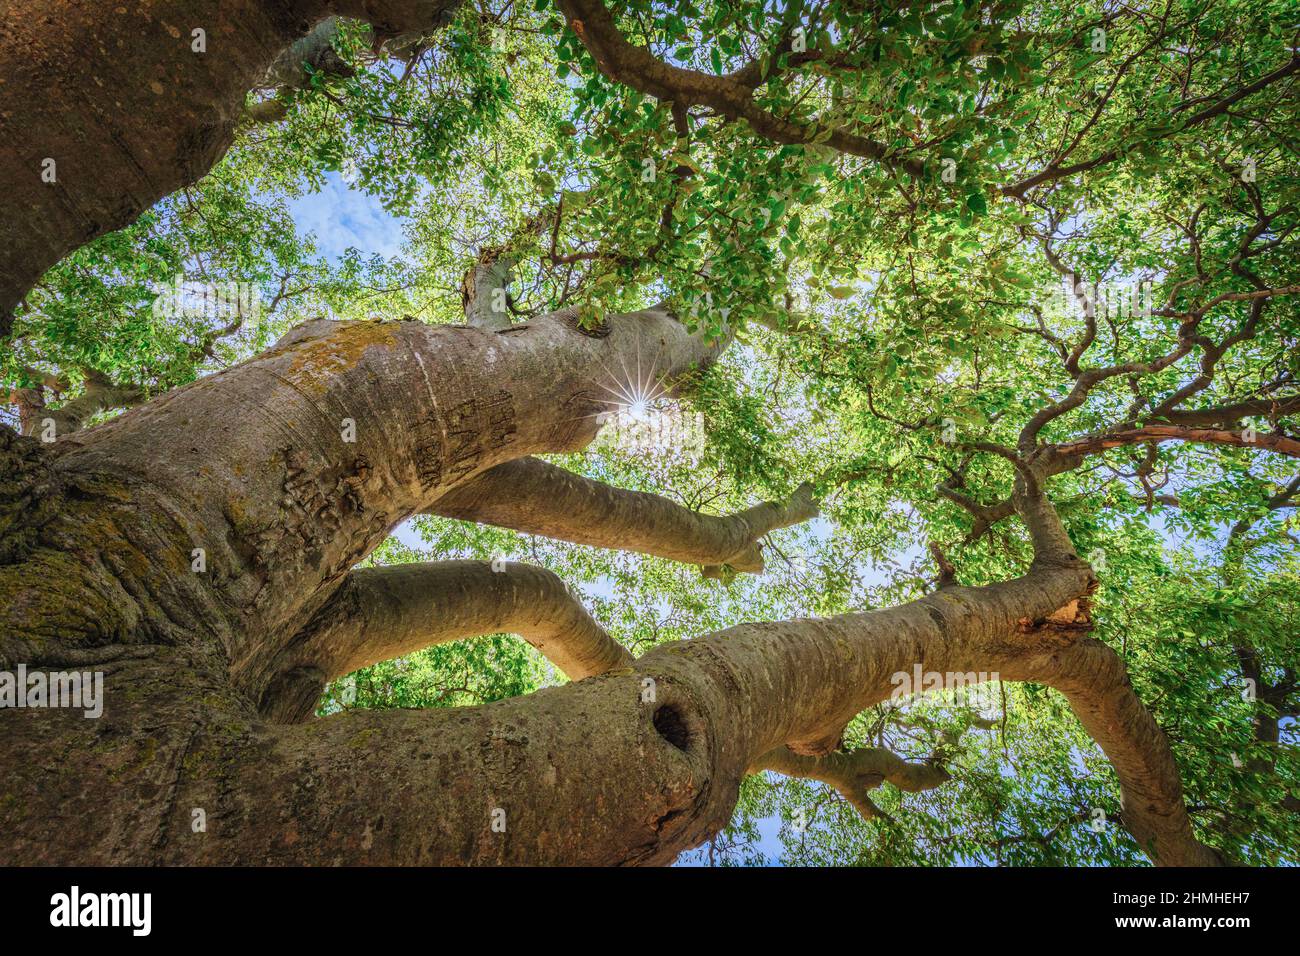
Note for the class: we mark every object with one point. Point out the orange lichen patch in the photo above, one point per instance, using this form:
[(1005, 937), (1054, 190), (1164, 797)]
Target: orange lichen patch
[(317, 361)]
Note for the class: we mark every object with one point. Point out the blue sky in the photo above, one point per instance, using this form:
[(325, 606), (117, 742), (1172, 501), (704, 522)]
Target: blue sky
[(339, 217)]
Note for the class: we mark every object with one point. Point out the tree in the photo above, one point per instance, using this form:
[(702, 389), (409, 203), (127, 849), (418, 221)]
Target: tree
[(832, 229)]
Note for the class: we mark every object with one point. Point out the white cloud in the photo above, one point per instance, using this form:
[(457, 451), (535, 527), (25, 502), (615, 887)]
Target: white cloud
[(340, 216)]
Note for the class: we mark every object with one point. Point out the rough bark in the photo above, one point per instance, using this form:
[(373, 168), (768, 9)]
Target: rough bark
[(254, 465), (484, 294)]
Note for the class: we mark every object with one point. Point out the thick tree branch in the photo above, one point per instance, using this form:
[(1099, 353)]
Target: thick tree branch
[(947, 572), (855, 773), (102, 135), (1228, 417), (484, 293), (348, 429), (30, 403), (312, 53), (381, 613), (535, 497)]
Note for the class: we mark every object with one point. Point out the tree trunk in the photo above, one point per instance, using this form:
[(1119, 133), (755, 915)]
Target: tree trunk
[(110, 107), (281, 473)]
